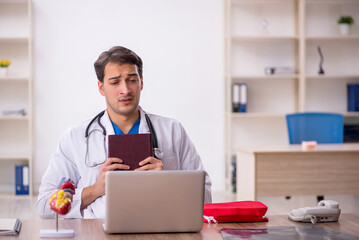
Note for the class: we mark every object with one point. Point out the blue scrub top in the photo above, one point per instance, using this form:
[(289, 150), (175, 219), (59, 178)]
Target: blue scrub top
[(133, 130)]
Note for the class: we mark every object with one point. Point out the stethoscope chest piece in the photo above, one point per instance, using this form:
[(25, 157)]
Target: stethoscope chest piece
[(157, 153)]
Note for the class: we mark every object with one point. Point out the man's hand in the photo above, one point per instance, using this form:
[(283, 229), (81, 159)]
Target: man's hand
[(91, 193), (111, 164), (149, 164)]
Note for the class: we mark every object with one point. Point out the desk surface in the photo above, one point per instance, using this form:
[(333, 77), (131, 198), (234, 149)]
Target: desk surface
[(295, 148), (92, 228)]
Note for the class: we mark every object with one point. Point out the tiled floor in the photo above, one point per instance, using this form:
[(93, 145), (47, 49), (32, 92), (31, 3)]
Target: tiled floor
[(24, 208)]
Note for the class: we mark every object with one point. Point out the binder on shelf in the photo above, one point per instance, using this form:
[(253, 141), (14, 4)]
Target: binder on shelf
[(21, 179), (239, 97), (234, 174), (353, 97)]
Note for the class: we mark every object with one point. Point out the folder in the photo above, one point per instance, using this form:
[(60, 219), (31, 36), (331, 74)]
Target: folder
[(239, 97), (131, 148), (353, 97), (22, 179)]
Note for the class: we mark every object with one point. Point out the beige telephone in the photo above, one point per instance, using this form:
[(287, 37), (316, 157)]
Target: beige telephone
[(326, 211)]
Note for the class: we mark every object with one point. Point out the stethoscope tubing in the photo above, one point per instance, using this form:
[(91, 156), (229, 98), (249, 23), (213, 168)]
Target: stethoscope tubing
[(156, 151), (98, 117)]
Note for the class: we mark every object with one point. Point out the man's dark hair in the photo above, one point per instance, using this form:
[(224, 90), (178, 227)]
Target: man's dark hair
[(117, 54)]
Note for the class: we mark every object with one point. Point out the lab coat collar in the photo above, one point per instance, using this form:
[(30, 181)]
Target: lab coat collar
[(106, 121), (143, 123)]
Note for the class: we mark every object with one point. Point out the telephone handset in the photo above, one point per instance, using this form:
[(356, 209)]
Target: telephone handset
[(326, 211)]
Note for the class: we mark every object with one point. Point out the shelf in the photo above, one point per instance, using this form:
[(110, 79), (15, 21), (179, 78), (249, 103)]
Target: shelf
[(338, 37), (256, 115), (14, 39), (15, 117), (14, 156), (333, 77), (16, 92), (271, 115), (251, 77), (273, 33), (332, 2), (351, 114), (261, 1), (13, 196), (14, 78), (13, 1), (263, 38)]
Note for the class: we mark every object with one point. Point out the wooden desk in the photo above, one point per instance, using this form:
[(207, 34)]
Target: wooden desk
[(288, 170), (92, 228)]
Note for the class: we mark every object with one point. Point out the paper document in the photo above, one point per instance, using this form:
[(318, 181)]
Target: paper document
[(9, 226)]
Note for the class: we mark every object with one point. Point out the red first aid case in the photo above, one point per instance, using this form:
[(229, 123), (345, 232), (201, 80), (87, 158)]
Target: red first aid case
[(241, 211)]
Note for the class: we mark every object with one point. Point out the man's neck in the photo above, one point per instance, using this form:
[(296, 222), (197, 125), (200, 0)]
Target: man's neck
[(124, 122)]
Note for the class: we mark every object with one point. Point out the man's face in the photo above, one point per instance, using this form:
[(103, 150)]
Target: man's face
[(121, 87)]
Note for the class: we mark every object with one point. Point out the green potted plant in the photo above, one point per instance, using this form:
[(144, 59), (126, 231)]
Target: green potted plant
[(344, 23)]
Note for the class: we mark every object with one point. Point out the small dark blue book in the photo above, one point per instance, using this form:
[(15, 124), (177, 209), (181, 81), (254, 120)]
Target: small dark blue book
[(353, 97)]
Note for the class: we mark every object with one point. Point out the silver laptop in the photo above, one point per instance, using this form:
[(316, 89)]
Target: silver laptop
[(154, 201)]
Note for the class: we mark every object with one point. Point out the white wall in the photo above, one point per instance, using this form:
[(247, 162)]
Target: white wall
[(180, 43)]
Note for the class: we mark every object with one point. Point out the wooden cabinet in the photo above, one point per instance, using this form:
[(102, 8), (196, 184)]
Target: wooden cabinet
[(15, 92), (286, 33)]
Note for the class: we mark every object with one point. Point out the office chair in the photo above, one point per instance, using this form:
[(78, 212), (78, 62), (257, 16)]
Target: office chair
[(320, 127)]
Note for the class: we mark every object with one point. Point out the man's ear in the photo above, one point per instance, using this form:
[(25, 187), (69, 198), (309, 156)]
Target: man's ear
[(100, 88), (141, 83)]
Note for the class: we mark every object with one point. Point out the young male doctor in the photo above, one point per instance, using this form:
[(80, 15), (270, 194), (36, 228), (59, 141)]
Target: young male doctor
[(84, 161)]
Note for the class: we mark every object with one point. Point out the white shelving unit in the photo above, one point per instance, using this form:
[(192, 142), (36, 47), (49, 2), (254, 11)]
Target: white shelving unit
[(263, 33), (15, 92)]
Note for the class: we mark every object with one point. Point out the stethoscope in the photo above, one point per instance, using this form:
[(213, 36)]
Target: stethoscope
[(156, 151)]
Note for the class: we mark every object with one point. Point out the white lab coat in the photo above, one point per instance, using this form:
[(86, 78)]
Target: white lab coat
[(68, 161)]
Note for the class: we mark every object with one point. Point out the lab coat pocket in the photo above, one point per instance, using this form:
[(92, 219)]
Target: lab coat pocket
[(170, 163)]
